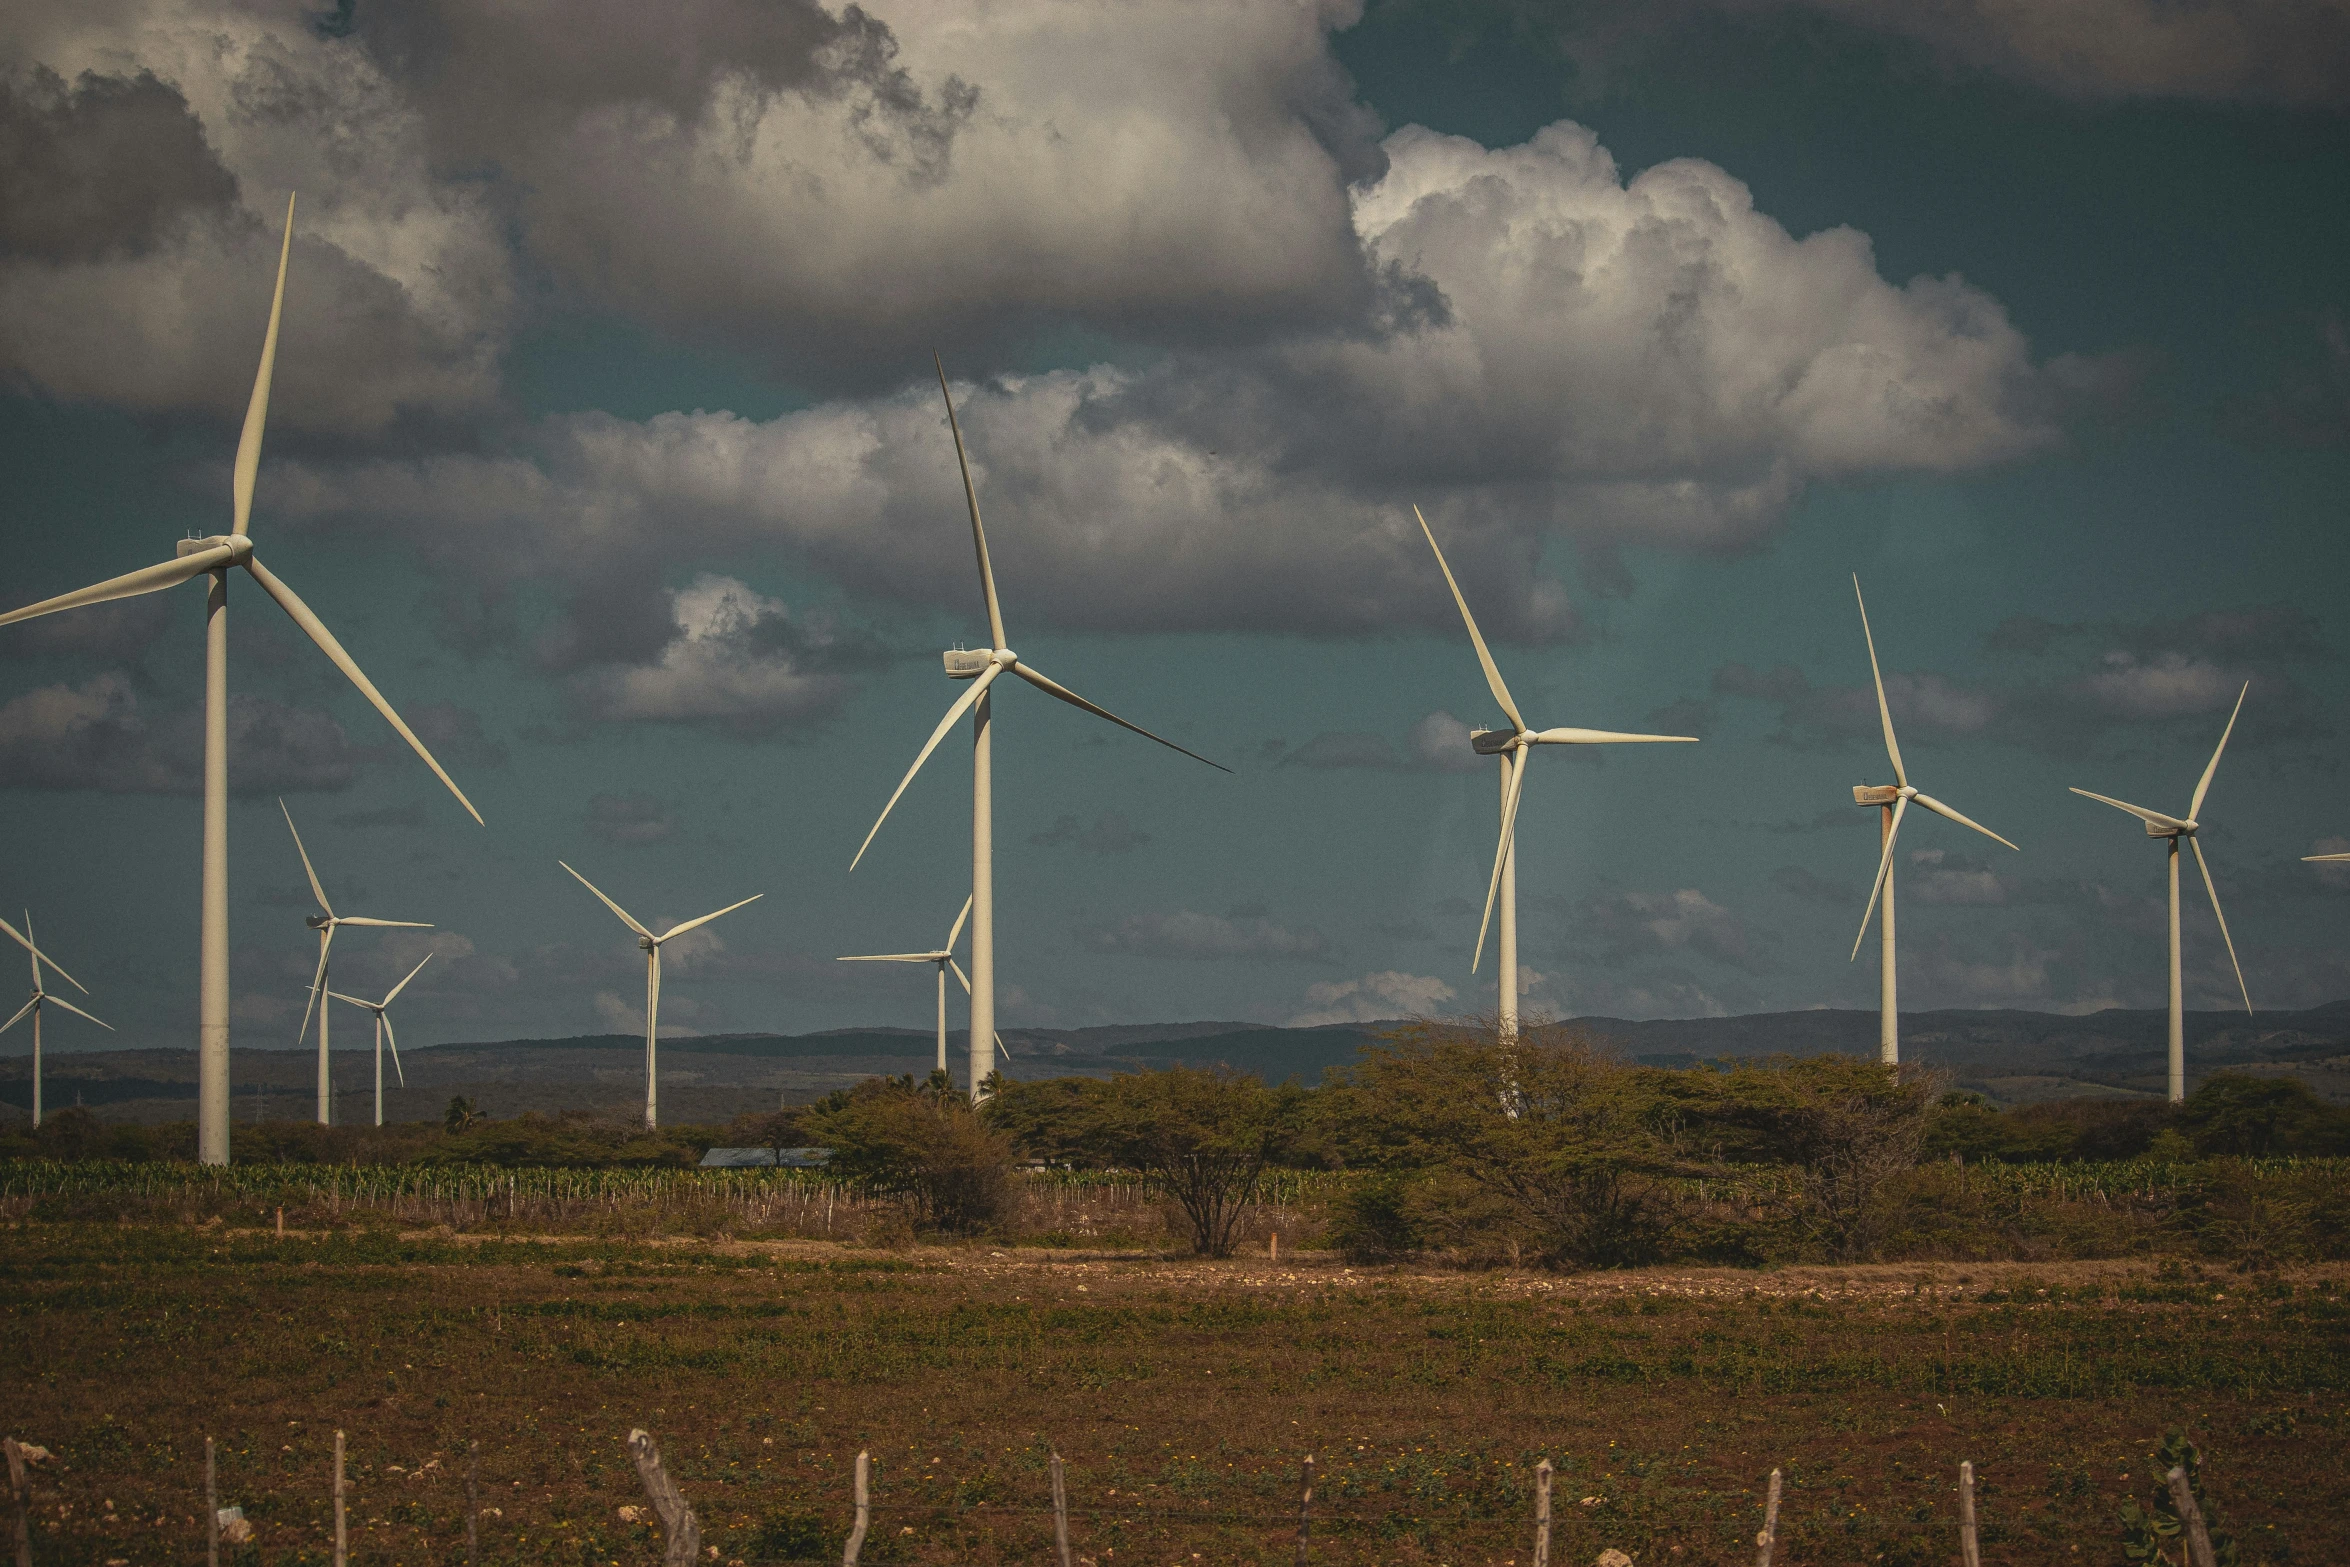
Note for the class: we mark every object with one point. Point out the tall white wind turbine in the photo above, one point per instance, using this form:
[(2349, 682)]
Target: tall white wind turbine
[(212, 557), (982, 668), (2174, 828), (943, 959), (1512, 747), (383, 1029), (652, 946), (40, 999), (326, 924), (1893, 800)]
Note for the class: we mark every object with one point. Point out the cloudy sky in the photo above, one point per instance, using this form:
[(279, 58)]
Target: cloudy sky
[(605, 436)]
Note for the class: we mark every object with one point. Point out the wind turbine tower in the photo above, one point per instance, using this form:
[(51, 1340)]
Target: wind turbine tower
[(982, 667), (1512, 747), (40, 999), (383, 1029), (1893, 800), (2172, 829), (652, 948), (211, 558), (326, 924)]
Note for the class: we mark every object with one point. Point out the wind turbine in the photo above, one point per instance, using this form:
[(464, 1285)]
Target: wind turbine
[(652, 945), (2174, 828), (1512, 747), (326, 925), (213, 557), (981, 668), (945, 959), (383, 1027), (41, 997), (1893, 799)]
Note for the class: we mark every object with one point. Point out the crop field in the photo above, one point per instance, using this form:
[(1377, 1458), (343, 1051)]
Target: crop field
[(1182, 1394)]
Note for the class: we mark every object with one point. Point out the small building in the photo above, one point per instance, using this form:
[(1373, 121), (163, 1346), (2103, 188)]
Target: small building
[(766, 1159)]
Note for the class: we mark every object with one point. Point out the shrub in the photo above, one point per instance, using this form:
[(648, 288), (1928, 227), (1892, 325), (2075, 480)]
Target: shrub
[(920, 1142)]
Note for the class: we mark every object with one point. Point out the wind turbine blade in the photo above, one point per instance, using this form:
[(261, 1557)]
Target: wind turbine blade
[(1939, 809), (2204, 786), (954, 935), (995, 614), (1055, 688), (353, 919), (1509, 825), (39, 957), (1608, 737), (148, 579), (891, 957), (962, 706), (60, 1001), (1884, 713), (2320, 858), (1884, 864), (32, 953), (2139, 811), (257, 411), (625, 917), (326, 942), (679, 930), (403, 985), (393, 1039), (316, 890), (292, 604), (38, 998), (360, 1002), (2212, 893), (1501, 692), (959, 974)]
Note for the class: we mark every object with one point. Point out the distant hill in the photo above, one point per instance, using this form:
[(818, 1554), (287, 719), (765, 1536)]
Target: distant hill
[(2012, 1056)]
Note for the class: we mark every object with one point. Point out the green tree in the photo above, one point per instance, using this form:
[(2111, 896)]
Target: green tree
[(923, 1143), (1545, 1145), (1203, 1138), (2240, 1115)]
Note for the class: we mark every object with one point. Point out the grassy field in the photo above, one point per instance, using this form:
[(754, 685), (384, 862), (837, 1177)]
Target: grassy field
[(1182, 1394)]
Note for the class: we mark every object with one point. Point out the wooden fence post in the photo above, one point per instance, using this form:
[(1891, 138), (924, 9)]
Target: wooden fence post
[(1968, 1548), (211, 1508), (1061, 1515), (18, 1486), (342, 1535), (2191, 1522), (1305, 1509), (677, 1519), (1768, 1541), (1542, 1514), (848, 1556), (472, 1502)]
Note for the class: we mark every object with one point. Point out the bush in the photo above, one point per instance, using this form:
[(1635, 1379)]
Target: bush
[(1551, 1148), (1203, 1138), (920, 1142)]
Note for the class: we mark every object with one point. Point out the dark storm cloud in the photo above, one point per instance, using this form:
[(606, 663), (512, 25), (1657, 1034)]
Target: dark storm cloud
[(108, 167), (116, 633), (95, 736)]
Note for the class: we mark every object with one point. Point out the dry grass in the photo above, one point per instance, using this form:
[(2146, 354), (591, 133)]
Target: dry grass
[(1181, 1393)]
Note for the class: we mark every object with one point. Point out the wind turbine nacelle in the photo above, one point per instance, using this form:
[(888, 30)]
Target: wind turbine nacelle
[(967, 665), (1491, 742), (1875, 794), (316, 921), (2157, 830)]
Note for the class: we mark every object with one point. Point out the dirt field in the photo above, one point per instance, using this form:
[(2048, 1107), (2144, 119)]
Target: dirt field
[(1182, 1394)]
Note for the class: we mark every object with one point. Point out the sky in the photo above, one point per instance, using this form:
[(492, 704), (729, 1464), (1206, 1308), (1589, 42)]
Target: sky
[(606, 436)]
